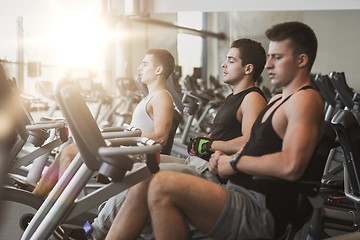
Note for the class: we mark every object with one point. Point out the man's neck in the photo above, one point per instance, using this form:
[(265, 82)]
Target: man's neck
[(156, 86), (242, 85), (297, 83)]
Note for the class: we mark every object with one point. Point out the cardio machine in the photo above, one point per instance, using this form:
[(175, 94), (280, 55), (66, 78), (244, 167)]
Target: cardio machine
[(113, 158)]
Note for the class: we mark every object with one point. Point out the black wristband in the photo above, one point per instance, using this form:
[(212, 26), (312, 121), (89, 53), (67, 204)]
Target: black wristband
[(234, 160)]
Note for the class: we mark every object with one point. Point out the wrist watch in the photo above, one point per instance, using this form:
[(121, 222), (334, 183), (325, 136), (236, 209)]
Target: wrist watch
[(234, 160)]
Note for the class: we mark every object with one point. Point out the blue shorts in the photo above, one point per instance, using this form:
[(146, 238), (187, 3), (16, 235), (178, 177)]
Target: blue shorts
[(245, 216)]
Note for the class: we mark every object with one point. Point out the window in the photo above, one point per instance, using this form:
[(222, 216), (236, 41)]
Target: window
[(189, 46)]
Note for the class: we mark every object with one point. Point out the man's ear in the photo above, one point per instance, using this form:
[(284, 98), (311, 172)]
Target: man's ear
[(303, 60), (159, 70), (249, 68)]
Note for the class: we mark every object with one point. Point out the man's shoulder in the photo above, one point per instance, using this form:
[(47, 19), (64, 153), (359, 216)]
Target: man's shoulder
[(306, 102), (254, 98), (162, 93), (307, 96), (161, 97)]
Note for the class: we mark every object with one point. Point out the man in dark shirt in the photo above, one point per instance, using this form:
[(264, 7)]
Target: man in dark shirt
[(232, 123)]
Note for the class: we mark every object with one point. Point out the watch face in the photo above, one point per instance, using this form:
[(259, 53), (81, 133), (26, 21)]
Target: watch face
[(234, 157)]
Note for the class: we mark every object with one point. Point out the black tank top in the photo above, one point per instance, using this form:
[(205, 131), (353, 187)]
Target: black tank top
[(280, 196), (226, 126)]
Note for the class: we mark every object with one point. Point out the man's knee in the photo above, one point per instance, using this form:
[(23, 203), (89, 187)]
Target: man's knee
[(69, 150), (67, 154), (161, 187)]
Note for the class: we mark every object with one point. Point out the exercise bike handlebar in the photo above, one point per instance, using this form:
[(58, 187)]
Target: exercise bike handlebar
[(128, 146), (116, 160), (46, 125), (120, 128)]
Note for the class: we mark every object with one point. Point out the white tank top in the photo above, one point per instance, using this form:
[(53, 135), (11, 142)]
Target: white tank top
[(140, 117)]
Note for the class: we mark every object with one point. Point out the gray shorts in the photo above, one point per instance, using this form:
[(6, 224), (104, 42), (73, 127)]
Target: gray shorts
[(245, 216)]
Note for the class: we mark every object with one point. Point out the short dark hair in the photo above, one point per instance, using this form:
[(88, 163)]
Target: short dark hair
[(164, 58), (302, 38), (251, 52)]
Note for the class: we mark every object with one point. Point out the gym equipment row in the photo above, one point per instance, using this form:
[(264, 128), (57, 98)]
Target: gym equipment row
[(96, 155), (340, 183), (99, 153)]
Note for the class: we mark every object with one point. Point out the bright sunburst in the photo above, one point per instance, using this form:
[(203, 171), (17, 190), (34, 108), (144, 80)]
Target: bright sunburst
[(78, 38)]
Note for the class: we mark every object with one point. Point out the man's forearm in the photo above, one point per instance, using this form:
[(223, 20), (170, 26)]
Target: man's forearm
[(229, 147)]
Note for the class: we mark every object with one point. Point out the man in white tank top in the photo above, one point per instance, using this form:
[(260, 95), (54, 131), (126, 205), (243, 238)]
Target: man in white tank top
[(153, 115)]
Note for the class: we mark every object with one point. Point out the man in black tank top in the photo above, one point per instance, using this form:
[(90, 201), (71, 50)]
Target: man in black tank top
[(232, 124), (282, 142)]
